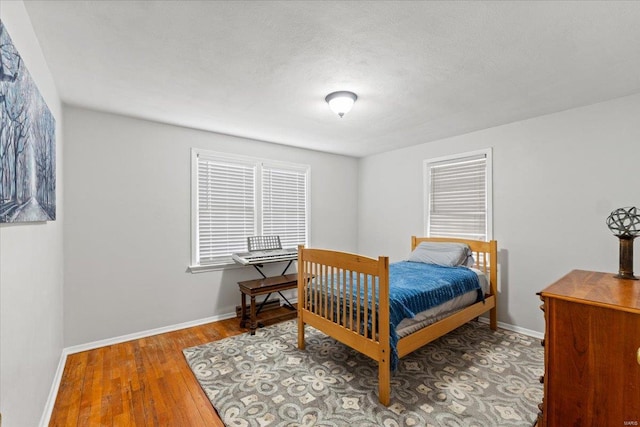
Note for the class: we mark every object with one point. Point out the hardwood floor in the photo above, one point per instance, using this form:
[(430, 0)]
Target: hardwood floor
[(145, 382)]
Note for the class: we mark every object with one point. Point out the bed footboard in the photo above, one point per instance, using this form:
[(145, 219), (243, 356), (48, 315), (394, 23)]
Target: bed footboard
[(346, 296)]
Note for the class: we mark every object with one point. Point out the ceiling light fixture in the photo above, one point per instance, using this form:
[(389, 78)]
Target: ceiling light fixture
[(341, 102)]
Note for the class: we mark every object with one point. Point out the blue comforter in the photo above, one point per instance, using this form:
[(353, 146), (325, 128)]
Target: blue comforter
[(416, 287)]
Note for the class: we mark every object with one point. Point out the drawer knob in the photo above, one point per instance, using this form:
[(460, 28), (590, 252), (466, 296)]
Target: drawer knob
[(542, 307), (638, 355)]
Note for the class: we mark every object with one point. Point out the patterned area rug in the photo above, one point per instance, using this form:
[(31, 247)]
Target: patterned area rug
[(470, 377)]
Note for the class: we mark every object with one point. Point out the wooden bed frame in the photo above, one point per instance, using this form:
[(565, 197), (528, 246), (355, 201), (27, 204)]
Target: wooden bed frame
[(318, 290)]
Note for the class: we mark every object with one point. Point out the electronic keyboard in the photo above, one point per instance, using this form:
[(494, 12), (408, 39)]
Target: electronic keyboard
[(261, 257)]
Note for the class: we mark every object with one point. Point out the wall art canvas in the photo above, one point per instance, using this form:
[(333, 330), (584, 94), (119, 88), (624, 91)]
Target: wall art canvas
[(27, 142)]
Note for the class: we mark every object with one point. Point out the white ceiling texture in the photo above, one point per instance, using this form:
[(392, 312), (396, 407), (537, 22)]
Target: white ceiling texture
[(260, 69)]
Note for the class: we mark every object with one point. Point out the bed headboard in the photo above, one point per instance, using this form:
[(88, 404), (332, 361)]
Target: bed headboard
[(484, 253)]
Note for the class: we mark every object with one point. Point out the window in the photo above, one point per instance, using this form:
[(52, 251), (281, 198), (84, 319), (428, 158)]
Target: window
[(234, 197), (284, 204), (458, 196)]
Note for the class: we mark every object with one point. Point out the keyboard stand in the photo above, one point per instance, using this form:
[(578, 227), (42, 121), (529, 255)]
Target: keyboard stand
[(260, 266)]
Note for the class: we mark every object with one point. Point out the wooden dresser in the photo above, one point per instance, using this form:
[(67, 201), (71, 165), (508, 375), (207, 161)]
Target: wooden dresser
[(591, 351)]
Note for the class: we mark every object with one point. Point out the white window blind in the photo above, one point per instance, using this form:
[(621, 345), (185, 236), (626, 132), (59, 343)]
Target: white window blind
[(226, 208), (458, 196), (235, 197), (284, 205)]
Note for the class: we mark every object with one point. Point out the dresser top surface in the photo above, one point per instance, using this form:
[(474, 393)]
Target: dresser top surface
[(597, 288)]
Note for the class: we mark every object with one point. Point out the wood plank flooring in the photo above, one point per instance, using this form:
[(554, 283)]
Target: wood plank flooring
[(144, 382)]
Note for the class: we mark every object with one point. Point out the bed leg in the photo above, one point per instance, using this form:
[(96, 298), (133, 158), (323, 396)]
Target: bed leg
[(300, 333), (493, 319), (384, 380)]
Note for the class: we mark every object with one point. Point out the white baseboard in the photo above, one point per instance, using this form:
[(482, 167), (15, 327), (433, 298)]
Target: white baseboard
[(53, 392), (144, 334), (508, 327)]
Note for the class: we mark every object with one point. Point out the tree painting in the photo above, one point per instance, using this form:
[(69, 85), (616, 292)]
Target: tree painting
[(27, 142)]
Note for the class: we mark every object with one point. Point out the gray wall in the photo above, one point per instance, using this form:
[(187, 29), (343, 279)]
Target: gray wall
[(127, 234), (31, 268), (556, 178)]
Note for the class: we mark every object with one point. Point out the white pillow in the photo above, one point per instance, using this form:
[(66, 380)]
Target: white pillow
[(443, 253)]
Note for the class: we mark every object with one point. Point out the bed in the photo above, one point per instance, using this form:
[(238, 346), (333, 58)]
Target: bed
[(347, 296)]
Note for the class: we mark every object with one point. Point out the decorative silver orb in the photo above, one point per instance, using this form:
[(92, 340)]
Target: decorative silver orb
[(624, 222)]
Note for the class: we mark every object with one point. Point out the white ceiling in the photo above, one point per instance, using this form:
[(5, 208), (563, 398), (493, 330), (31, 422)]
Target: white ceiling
[(422, 70)]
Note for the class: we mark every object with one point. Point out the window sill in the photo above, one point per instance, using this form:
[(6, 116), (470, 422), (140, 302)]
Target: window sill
[(194, 269)]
